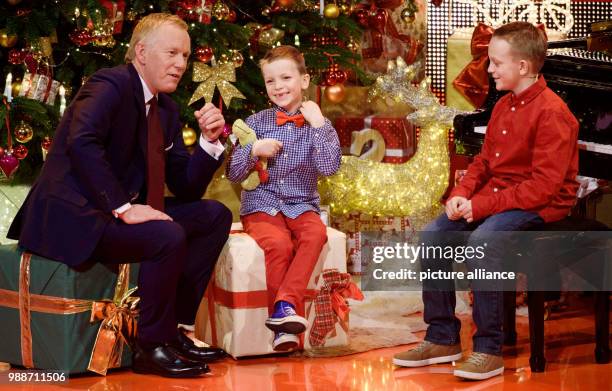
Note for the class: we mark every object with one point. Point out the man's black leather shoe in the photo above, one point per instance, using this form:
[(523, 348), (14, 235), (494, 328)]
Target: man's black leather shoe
[(188, 349), (165, 360)]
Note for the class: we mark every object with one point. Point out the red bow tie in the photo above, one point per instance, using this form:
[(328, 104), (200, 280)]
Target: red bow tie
[(282, 118)]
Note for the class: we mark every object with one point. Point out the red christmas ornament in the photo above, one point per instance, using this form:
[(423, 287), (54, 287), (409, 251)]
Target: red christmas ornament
[(46, 143), (80, 37), (188, 4), (362, 17), (285, 3), (232, 16), (23, 11), (341, 76), (227, 130), (203, 53), (20, 151), (378, 19), (330, 78), (8, 164), (1, 151), (17, 56)]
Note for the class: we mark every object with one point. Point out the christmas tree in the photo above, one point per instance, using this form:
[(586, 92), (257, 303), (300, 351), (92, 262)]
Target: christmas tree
[(49, 49)]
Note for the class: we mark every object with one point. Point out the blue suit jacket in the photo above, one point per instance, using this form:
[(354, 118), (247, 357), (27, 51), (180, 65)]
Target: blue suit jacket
[(97, 163)]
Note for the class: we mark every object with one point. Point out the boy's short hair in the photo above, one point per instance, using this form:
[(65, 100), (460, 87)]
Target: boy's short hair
[(527, 41), (146, 26), (287, 52)]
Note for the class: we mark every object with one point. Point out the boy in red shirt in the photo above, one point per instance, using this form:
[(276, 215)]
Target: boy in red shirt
[(524, 175)]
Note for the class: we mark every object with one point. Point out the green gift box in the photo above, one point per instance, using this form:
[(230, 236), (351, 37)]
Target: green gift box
[(56, 317)]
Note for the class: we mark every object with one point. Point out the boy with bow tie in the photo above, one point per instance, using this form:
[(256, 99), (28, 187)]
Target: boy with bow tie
[(282, 214)]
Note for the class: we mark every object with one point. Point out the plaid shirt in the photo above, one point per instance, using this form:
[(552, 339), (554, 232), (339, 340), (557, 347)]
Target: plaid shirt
[(307, 152)]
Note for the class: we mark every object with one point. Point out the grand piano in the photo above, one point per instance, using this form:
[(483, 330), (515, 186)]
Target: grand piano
[(583, 79)]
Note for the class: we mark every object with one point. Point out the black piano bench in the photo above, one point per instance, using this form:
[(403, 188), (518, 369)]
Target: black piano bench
[(536, 299)]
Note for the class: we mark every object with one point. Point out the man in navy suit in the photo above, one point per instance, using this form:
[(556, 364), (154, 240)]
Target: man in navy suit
[(100, 195)]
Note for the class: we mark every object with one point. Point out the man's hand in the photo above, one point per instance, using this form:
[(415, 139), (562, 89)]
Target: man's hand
[(312, 113), (142, 213), (466, 211), (452, 207), (211, 121), (268, 147)]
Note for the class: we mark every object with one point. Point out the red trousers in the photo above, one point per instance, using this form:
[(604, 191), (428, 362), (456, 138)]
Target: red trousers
[(292, 248)]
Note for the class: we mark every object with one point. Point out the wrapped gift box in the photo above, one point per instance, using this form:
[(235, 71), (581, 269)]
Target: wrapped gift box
[(458, 55), (398, 133), (233, 312), (48, 324), (356, 223)]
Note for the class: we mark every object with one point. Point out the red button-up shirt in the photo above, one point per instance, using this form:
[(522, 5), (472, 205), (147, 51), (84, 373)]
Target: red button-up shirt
[(529, 159)]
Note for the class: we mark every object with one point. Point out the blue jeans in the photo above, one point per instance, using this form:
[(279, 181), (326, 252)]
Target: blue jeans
[(487, 311)]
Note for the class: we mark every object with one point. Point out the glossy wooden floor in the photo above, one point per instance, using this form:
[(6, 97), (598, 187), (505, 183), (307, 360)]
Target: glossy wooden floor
[(569, 351)]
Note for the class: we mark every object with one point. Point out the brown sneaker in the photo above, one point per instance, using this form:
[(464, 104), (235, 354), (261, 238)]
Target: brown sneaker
[(480, 366), (427, 353)]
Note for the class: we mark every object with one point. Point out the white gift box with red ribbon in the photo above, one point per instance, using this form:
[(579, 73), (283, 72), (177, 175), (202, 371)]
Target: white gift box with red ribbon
[(233, 312)]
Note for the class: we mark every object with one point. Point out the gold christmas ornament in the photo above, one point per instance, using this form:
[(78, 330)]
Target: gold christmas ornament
[(270, 37), (237, 58), (413, 188), (7, 41), (219, 76), (335, 93), (131, 15), (407, 15), (353, 45), (104, 41), (223, 59), (13, 2), (42, 46), (23, 132), (220, 10), (345, 8), (331, 11), (189, 136), (16, 87)]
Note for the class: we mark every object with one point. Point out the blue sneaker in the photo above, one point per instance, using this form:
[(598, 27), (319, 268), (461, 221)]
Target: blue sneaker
[(285, 320), (284, 342)]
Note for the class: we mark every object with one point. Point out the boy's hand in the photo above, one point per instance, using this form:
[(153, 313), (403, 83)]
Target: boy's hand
[(312, 113), (466, 211), (267, 147), (452, 207), (211, 122)]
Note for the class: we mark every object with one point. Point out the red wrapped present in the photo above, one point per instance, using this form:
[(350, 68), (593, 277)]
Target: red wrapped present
[(397, 132), (115, 12)]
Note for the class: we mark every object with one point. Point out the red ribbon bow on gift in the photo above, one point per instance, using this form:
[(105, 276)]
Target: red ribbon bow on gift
[(282, 118), (473, 81), (330, 304)]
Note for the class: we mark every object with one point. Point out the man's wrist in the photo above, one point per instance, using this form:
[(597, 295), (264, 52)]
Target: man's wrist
[(117, 213)]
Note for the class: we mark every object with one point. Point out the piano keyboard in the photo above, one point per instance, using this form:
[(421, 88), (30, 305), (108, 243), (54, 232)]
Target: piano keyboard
[(595, 147), (580, 53)]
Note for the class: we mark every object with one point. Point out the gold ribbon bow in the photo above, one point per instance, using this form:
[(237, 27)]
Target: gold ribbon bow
[(218, 76), (118, 326)]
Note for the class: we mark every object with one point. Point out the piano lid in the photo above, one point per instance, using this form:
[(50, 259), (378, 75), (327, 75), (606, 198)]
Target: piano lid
[(579, 67)]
